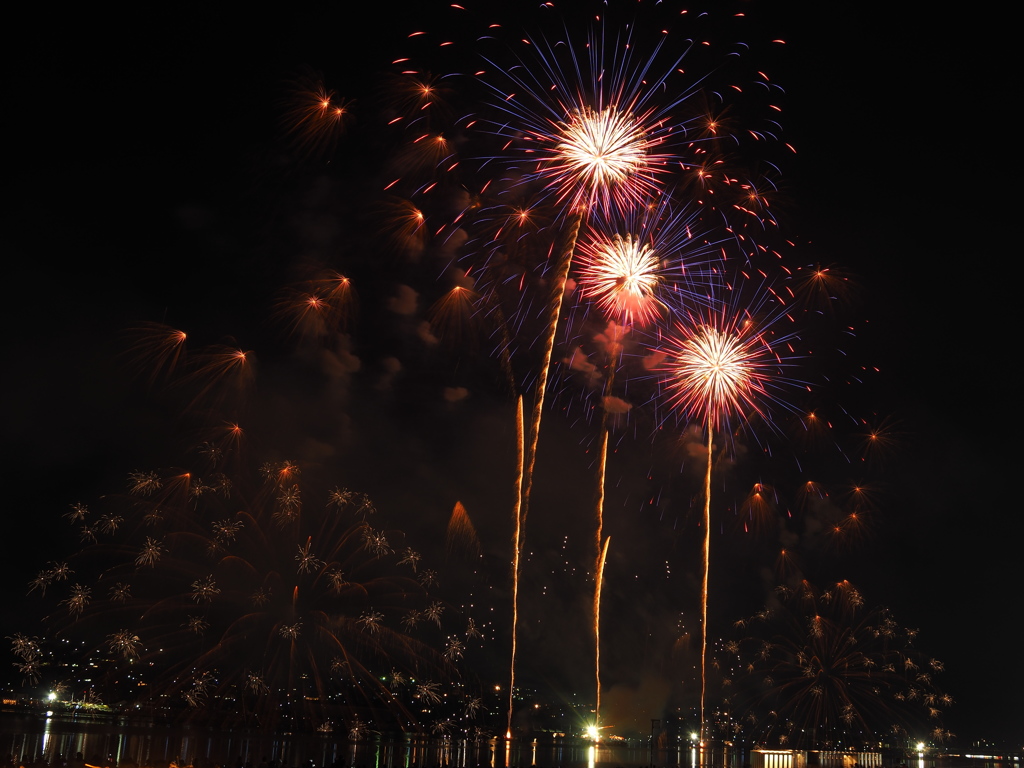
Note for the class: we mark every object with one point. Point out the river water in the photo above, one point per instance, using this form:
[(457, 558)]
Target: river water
[(76, 744)]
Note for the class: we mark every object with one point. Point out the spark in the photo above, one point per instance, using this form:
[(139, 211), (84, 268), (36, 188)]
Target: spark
[(144, 483), (429, 691), (375, 541), (256, 684), (290, 502), (452, 315), (23, 646), (370, 621), (454, 649), (125, 643), (336, 579), (226, 531), (78, 513), (109, 523), (151, 551), (204, 590), (411, 619), (307, 561), (78, 600), (120, 592), (157, 348), (411, 558), (433, 612)]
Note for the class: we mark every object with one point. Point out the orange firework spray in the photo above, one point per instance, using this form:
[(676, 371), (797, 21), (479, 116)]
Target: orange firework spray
[(461, 533), (158, 349)]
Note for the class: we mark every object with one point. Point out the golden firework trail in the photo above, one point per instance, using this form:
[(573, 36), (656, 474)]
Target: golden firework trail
[(527, 454), (554, 311), (704, 587), (599, 583), (516, 543)]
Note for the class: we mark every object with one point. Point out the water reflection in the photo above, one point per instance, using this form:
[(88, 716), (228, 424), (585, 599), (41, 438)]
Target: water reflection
[(76, 744)]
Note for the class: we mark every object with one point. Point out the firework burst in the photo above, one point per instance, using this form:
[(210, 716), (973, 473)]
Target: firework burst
[(588, 120), (272, 592), (234, 593), (585, 127), (820, 667), (726, 368), (621, 275), (723, 370), (591, 135), (643, 265)]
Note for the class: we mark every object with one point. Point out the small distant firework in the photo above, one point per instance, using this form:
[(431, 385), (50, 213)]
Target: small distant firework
[(451, 316), (157, 349), (461, 534), (320, 307), (223, 374), (314, 117), (28, 652), (405, 225), (759, 508), (880, 439), (825, 288)]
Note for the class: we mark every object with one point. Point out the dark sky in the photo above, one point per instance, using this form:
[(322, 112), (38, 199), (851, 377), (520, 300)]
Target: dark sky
[(149, 181)]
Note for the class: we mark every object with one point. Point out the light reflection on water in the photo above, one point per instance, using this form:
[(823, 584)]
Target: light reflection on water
[(57, 741)]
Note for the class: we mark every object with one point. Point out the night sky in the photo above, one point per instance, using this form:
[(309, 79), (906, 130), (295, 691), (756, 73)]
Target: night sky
[(150, 181)]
